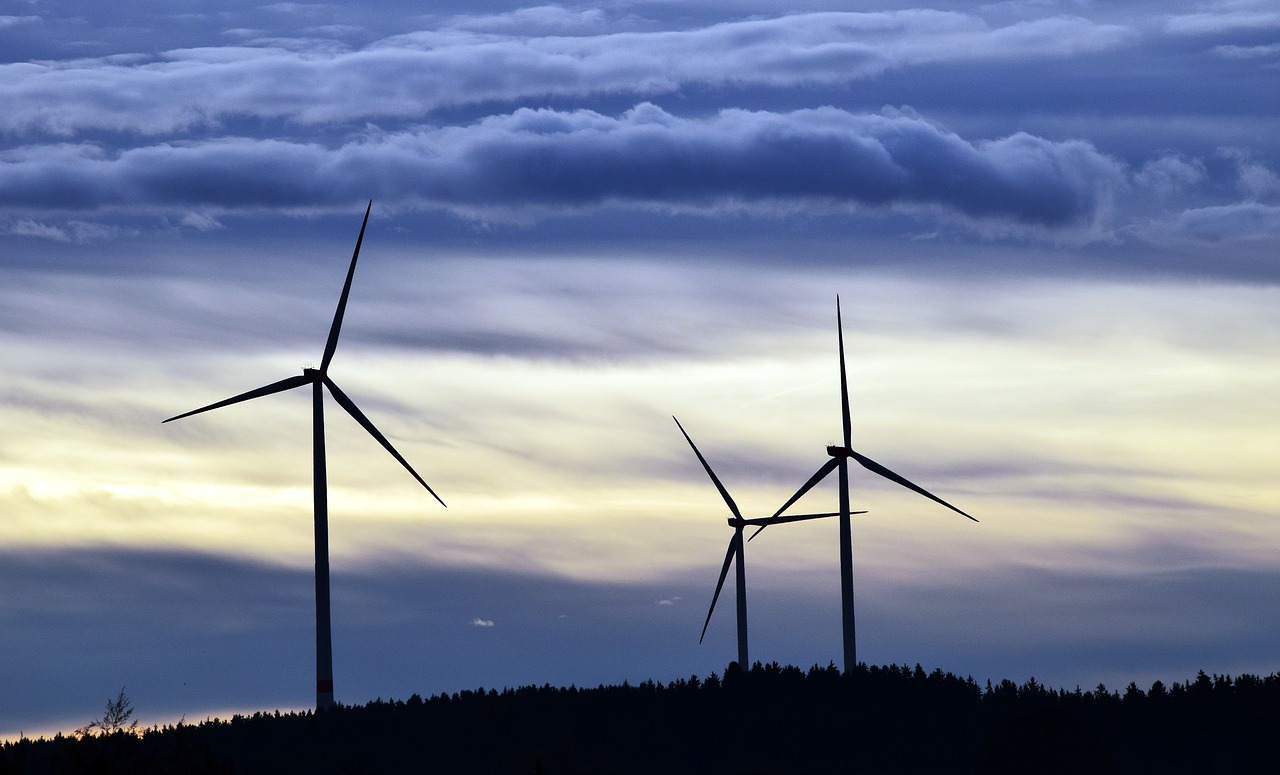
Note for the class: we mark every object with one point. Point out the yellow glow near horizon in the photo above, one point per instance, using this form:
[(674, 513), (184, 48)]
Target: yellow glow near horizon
[(1066, 434)]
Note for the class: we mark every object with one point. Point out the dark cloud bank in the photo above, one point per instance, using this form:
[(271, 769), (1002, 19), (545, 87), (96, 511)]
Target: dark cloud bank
[(191, 633), (545, 160)]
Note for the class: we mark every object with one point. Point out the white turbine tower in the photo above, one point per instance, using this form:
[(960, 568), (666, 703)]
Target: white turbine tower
[(319, 379)]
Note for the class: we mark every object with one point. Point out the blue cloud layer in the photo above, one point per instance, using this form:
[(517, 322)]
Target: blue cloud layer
[(191, 633), (410, 75), (519, 114)]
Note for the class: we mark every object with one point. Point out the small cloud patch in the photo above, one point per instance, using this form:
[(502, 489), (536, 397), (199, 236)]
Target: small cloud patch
[(670, 601), (14, 21), (200, 222), (483, 623), (78, 232)]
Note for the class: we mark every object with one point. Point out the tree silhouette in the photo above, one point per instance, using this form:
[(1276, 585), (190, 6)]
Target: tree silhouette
[(116, 718)]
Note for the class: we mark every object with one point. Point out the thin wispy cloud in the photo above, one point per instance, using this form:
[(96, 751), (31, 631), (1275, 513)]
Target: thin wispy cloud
[(409, 76), (14, 21), (1171, 174), (1243, 221), (1269, 51), (78, 232), (1226, 17), (538, 20)]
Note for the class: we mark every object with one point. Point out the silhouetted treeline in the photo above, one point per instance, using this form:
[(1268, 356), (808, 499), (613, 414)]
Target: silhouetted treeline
[(770, 719)]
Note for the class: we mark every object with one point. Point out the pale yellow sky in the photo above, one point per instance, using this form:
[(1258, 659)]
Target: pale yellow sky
[(1073, 419)]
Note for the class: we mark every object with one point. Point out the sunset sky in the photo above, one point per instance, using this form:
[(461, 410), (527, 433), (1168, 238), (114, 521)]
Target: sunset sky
[(1054, 228)]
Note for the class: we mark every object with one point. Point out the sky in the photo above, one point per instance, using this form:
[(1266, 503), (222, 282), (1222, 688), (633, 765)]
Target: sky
[(1053, 226)]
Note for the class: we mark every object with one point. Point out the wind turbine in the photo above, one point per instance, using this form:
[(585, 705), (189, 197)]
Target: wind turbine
[(840, 461), (319, 379), (735, 555)]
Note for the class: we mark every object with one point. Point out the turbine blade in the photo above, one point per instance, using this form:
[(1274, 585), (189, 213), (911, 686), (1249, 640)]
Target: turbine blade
[(844, 383), (266, 390), (780, 520), (876, 468), (728, 560), (354, 411), (332, 343), (827, 468), (733, 507)]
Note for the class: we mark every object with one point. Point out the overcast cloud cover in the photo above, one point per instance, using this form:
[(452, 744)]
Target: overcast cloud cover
[(527, 112), (1055, 226)]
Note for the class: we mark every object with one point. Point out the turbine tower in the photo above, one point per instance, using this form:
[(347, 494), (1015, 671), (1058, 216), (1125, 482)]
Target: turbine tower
[(735, 555), (319, 379), (840, 460)]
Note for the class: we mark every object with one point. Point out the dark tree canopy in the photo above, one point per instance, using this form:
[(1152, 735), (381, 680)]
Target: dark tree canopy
[(769, 719)]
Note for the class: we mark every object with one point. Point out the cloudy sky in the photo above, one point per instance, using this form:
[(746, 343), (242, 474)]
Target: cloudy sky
[(1054, 227)]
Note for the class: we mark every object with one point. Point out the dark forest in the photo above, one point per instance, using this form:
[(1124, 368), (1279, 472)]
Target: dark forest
[(769, 719)]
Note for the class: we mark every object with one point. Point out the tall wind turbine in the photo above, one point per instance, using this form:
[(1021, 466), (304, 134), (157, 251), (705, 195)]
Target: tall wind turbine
[(735, 555), (840, 460), (318, 379)]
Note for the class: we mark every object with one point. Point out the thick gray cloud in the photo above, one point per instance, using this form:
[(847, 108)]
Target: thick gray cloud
[(551, 160)]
